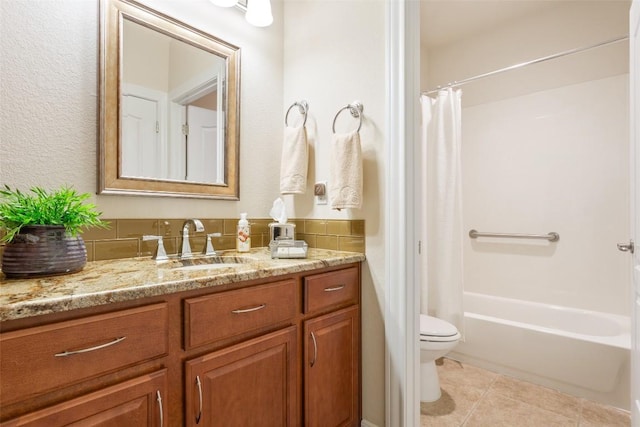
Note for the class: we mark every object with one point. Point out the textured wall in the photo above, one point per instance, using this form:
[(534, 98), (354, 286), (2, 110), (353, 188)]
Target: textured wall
[(48, 56), (49, 87)]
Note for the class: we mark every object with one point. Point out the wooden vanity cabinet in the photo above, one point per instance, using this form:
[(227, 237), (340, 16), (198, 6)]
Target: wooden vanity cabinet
[(278, 351), (250, 384), (41, 360), (331, 361), (253, 382), (136, 402)]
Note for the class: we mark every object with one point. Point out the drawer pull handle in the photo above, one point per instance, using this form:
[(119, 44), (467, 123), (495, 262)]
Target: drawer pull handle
[(159, 399), (86, 350), (335, 288), (315, 349), (249, 310), (199, 384)]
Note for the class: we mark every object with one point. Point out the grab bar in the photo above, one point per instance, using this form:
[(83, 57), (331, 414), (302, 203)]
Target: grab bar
[(552, 236)]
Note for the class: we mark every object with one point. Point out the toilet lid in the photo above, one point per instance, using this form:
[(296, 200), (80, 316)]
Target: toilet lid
[(434, 327)]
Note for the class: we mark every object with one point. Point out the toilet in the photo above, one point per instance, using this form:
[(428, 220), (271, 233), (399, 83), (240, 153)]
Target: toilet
[(437, 338)]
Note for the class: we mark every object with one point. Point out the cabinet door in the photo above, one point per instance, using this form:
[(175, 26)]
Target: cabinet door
[(137, 402), (332, 370), (249, 384)]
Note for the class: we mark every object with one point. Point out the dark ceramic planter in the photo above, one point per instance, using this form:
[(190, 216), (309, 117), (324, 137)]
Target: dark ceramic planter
[(43, 250)]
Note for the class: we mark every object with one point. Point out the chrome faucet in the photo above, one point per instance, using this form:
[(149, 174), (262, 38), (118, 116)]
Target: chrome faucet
[(186, 247)]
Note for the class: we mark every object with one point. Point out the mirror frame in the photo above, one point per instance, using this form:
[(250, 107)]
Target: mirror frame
[(112, 14)]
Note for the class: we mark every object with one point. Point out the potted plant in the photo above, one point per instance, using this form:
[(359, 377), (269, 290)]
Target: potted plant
[(42, 231)]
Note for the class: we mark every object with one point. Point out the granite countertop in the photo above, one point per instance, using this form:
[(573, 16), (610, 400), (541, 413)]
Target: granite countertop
[(105, 282)]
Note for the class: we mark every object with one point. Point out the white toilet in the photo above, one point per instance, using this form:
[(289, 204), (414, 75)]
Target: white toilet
[(437, 338)]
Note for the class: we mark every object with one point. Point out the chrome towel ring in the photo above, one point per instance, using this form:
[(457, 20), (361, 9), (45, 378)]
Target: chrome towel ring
[(355, 109), (303, 108)]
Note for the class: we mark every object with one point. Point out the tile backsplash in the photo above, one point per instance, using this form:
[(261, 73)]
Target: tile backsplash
[(123, 239)]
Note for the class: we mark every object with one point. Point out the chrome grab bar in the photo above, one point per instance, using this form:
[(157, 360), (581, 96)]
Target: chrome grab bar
[(552, 236)]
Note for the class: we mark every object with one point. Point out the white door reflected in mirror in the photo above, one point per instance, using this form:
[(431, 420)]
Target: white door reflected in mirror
[(172, 110)]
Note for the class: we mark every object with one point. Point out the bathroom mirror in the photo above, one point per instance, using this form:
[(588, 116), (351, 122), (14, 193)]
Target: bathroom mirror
[(169, 106)]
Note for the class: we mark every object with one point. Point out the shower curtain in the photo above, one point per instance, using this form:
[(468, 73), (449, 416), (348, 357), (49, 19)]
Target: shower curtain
[(442, 290)]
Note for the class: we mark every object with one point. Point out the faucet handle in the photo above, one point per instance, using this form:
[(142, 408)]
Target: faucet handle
[(208, 247), (161, 253)]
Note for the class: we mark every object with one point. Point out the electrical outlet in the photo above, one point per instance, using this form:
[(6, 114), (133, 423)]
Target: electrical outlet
[(320, 192)]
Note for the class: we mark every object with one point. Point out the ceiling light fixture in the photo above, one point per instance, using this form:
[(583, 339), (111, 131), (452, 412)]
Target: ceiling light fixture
[(258, 12), (224, 3)]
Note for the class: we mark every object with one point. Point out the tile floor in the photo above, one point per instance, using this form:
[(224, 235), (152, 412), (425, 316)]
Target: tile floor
[(474, 397)]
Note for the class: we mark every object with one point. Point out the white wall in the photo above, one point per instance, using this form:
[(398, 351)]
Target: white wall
[(545, 148), (334, 55)]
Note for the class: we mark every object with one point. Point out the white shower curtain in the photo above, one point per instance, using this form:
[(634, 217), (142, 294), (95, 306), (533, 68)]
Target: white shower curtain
[(442, 207)]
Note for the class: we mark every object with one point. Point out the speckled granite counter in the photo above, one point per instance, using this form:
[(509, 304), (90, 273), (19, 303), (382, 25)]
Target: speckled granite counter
[(105, 282)]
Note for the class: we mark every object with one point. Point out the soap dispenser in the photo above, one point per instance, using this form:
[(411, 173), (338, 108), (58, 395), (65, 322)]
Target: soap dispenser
[(243, 242)]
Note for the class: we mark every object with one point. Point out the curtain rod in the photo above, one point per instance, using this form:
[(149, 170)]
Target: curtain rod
[(524, 64)]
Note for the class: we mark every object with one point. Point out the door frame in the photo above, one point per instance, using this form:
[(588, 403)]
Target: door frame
[(402, 296), (634, 142)]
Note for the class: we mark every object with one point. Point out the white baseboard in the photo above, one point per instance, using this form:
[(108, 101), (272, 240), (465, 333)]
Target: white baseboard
[(365, 423)]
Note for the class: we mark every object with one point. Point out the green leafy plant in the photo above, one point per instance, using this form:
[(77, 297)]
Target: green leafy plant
[(63, 207)]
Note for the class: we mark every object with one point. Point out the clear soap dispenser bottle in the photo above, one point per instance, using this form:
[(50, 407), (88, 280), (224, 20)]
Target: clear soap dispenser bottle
[(243, 237)]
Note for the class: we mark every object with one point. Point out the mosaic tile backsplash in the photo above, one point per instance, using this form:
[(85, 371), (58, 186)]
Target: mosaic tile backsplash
[(123, 239)]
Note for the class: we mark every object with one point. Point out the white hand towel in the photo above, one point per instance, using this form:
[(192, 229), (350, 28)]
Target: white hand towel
[(345, 183), (294, 162)]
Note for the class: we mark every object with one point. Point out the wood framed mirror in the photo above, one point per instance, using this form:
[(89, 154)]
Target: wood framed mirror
[(169, 106)]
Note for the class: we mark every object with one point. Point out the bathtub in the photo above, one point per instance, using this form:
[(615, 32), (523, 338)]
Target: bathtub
[(581, 352)]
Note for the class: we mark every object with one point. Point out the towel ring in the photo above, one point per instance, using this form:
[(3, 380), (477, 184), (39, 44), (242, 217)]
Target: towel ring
[(303, 108), (356, 111)]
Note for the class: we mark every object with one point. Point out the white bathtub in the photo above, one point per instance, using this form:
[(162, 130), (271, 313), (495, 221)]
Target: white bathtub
[(581, 352)]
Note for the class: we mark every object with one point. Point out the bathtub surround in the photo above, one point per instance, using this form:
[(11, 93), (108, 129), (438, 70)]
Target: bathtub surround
[(442, 270), (556, 160)]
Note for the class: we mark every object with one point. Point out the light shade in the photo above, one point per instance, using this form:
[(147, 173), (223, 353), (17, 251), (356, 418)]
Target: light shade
[(224, 3), (259, 13)]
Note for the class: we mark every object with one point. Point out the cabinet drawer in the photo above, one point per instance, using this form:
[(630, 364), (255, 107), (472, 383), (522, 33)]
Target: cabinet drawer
[(228, 314), (39, 359), (329, 289), (140, 401)]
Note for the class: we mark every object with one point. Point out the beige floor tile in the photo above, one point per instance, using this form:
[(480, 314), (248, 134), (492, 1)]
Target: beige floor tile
[(451, 409), (541, 397), (594, 414), (453, 373), (462, 387), (496, 410)]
